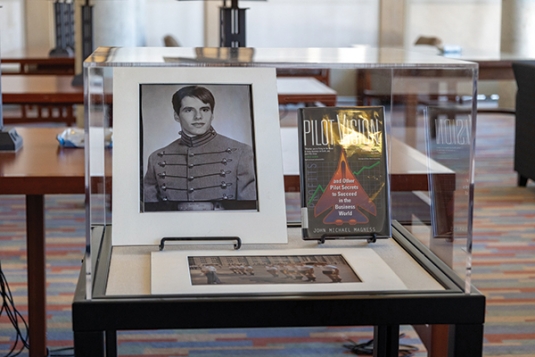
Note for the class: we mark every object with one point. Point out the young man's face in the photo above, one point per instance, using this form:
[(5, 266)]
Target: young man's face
[(195, 117)]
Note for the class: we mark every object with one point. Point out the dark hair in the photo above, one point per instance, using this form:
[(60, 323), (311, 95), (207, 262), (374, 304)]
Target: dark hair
[(192, 91)]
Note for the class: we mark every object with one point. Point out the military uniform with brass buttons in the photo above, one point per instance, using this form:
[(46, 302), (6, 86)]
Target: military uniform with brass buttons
[(200, 173)]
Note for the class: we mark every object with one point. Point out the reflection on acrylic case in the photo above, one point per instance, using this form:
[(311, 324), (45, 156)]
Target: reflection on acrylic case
[(448, 134)]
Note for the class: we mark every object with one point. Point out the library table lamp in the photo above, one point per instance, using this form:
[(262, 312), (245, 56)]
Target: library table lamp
[(9, 139)]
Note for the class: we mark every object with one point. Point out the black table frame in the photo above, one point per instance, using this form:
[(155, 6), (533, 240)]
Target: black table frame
[(96, 321)]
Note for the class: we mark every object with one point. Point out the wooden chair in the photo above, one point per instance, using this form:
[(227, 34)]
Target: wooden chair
[(39, 113), (321, 74), (524, 162), (170, 41)]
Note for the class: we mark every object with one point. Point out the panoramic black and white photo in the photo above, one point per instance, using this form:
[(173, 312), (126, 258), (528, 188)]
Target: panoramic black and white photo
[(274, 269)]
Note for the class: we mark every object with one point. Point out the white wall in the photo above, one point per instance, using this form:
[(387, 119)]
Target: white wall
[(39, 24), (311, 23), (518, 27), (305, 23), (471, 24), (274, 23), (118, 23), (182, 19), (12, 25), (474, 25), (300, 23)]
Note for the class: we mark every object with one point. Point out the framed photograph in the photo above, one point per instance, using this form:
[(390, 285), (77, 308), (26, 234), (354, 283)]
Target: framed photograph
[(197, 153), (271, 271), (189, 165)]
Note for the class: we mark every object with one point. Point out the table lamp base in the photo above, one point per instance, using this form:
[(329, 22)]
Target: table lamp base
[(10, 140)]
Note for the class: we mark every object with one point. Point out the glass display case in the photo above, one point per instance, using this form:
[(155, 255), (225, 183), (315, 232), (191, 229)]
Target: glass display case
[(429, 120)]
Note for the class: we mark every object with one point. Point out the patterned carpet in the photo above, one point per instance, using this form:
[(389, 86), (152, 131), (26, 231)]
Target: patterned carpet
[(504, 242), (503, 269)]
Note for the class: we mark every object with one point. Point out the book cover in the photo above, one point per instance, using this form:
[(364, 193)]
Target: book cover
[(344, 178)]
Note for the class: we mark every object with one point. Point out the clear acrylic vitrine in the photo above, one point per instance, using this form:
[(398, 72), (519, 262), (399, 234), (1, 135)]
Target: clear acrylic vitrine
[(430, 114)]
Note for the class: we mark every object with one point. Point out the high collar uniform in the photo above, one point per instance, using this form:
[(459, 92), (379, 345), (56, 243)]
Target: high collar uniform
[(210, 167)]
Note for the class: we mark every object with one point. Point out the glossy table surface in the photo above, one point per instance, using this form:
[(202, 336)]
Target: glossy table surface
[(33, 53), (35, 61), (41, 166), (19, 89), (409, 168), (493, 65), (304, 90)]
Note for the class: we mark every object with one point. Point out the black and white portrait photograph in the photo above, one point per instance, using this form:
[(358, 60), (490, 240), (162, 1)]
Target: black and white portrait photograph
[(196, 153), (197, 147)]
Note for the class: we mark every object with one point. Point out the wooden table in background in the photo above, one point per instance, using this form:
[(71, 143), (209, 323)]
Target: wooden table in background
[(493, 65), (36, 61), (52, 97), (39, 168), (49, 93), (308, 90), (409, 168)]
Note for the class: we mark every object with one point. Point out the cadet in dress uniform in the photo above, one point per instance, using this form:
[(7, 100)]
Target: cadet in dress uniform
[(201, 170)]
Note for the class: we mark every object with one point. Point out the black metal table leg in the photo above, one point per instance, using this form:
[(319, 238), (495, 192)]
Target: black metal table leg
[(386, 341), (468, 340), (89, 344), (111, 343)]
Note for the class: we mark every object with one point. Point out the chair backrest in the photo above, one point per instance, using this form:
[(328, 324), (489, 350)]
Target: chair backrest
[(525, 80), (431, 41), (170, 41), (524, 163)]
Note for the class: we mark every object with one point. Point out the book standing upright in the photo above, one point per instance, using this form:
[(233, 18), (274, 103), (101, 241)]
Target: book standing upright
[(344, 177)]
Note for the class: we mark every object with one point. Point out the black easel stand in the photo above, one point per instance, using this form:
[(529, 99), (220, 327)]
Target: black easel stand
[(236, 240), (232, 26), (369, 238)]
